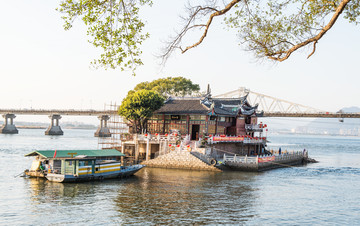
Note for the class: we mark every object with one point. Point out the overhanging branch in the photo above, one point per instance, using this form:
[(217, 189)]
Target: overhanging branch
[(314, 39), (190, 24), (215, 14)]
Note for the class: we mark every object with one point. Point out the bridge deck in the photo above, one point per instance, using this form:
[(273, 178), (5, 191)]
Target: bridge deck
[(98, 112), (313, 115), (55, 111)]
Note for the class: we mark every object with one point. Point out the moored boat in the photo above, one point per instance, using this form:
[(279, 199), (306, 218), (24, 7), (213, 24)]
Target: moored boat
[(80, 165), (250, 153)]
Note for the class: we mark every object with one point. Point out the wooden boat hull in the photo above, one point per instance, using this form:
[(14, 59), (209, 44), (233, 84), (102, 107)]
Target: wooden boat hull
[(37, 174), (123, 172)]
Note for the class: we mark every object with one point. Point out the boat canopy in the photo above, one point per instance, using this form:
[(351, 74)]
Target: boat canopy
[(76, 153)]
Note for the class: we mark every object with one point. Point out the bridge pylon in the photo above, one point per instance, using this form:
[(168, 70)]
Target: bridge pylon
[(9, 127), (103, 130), (54, 128)]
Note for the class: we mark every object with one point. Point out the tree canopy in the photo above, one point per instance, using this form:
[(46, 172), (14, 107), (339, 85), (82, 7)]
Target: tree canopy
[(170, 86), (139, 106), (113, 25), (270, 29), (147, 97)]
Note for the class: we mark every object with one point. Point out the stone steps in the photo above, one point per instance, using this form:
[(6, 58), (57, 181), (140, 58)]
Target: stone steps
[(179, 160)]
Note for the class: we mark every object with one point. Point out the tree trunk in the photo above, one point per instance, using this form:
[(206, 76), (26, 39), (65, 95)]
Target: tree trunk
[(141, 126)]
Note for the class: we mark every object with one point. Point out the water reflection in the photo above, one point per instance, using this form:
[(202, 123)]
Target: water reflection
[(43, 191), (165, 196), (320, 194)]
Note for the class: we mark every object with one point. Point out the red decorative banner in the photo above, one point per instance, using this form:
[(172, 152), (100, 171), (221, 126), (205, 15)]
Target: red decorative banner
[(228, 139), (267, 159)]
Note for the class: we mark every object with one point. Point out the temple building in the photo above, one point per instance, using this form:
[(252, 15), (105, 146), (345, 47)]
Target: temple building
[(199, 116)]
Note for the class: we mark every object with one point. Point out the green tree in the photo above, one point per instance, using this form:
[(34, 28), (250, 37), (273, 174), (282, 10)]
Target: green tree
[(170, 86), (271, 29), (139, 106), (113, 25)]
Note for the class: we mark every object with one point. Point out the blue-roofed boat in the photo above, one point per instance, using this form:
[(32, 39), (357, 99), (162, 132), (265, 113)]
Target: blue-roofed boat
[(80, 165)]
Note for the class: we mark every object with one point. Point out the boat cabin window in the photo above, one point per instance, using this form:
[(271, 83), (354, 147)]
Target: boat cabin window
[(85, 163), (57, 163), (70, 167)]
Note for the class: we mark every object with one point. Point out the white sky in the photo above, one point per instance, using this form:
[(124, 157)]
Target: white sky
[(43, 66)]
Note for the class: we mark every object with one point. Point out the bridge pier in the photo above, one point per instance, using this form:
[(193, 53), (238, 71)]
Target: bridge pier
[(54, 128), (9, 128), (103, 130)]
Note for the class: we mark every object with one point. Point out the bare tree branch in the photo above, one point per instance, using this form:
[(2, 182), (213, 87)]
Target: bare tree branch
[(190, 24), (314, 48), (278, 55), (217, 13)]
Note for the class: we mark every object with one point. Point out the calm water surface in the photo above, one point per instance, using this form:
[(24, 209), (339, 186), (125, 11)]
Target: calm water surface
[(326, 193)]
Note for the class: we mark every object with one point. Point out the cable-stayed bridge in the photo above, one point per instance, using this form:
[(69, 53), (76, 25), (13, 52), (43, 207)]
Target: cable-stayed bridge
[(275, 107)]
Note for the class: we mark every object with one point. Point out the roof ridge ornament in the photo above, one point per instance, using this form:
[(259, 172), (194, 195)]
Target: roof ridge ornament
[(168, 99), (208, 91)]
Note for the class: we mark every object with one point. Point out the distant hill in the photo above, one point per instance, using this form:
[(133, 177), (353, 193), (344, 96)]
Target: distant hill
[(350, 109)]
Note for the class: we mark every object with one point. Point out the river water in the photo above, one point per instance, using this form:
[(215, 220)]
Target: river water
[(325, 193)]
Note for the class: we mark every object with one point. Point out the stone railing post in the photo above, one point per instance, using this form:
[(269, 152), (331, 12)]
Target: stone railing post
[(148, 148)]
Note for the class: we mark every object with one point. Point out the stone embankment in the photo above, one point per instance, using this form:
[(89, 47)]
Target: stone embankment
[(179, 160)]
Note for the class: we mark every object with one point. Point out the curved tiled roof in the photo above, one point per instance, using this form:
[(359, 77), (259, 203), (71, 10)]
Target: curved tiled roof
[(183, 106), (205, 105)]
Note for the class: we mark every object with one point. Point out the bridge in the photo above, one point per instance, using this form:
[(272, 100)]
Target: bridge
[(73, 112), (271, 106), (55, 116), (275, 107)]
